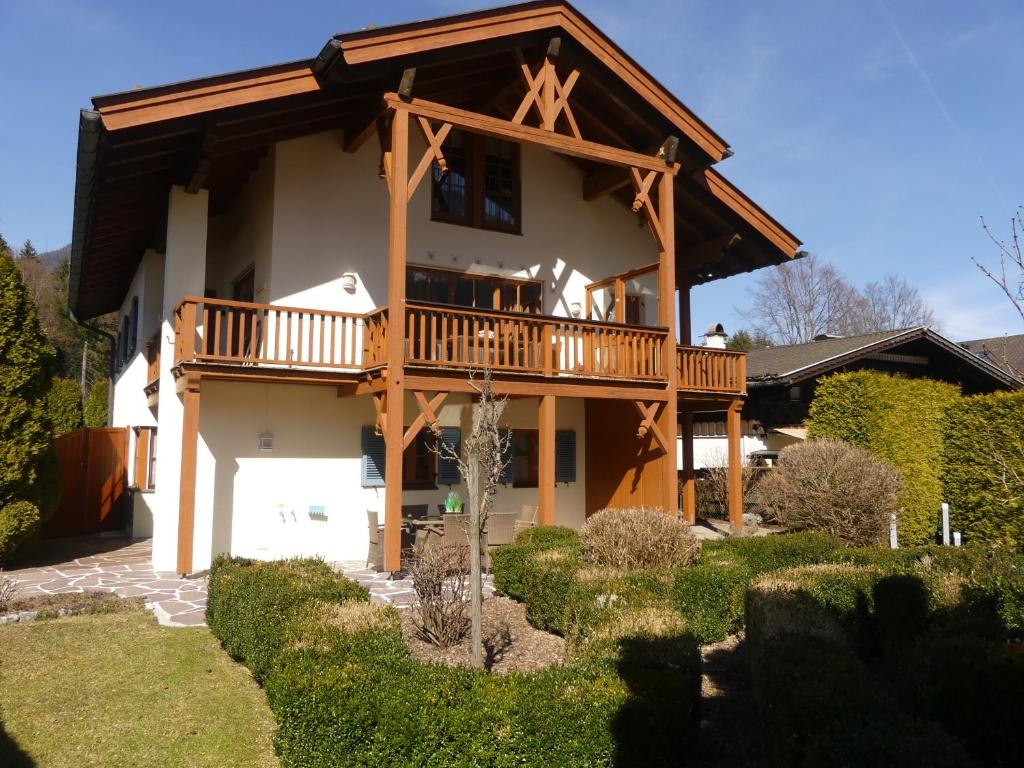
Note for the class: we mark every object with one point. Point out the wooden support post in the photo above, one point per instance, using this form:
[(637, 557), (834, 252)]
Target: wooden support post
[(669, 421), (685, 327), (546, 461), (735, 466), (394, 423), (689, 478), (187, 486)]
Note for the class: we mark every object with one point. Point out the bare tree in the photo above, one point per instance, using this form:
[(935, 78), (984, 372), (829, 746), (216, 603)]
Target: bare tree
[(481, 463), (1009, 275), (800, 300)]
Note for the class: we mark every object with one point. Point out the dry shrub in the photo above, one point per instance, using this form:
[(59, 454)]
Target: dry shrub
[(831, 486), (357, 616), (8, 590), (637, 537), (440, 579), (713, 487), (640, 622)]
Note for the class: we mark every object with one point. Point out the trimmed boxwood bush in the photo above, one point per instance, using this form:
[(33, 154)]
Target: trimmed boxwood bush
[(251, 603), (899, 420), (345, 691), (983, 447)]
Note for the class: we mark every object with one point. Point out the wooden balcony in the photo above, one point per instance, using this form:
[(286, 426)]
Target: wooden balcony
[(264, 338)]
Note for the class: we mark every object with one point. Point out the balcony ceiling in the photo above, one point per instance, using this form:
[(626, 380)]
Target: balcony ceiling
[(211, 133)]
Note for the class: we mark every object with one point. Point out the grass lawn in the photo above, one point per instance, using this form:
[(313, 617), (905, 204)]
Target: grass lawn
[(120, 690)]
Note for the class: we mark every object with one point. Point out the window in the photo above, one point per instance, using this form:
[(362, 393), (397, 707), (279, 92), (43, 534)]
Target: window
[(525, 443), (418, 462), (481, 186), (443, 286), (145, 458)]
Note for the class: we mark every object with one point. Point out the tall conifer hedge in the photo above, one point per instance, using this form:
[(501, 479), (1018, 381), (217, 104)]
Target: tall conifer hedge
[(27, 480), (984, 460), (901, 421)]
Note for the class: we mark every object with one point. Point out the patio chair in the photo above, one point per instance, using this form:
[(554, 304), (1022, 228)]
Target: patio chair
[(375, 554), (456, 530), (527, 518), (501, 529)]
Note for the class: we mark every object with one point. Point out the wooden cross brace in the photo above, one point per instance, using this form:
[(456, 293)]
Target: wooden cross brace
[(546, 94), (433, 152), (427, 416), (380, 406), (649, 413), (642, 185)]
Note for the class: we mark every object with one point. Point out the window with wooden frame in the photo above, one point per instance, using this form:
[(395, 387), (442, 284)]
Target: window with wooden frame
[(445, 286), (481, 186), (525, 458), (145, 458), (419, 463)]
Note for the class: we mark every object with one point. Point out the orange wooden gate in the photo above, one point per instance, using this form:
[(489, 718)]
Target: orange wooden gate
[(94, 482)]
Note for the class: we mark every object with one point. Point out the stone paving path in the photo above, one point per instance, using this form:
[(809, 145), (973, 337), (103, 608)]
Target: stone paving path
[(124, 566), (112, 564)]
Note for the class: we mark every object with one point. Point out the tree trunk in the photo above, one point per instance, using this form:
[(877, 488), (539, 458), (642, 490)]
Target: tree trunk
[(476, 593)]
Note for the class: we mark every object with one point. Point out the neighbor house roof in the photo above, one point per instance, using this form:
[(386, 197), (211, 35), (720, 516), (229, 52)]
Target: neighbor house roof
[(212, 132), (792, 363), (1005, 351)]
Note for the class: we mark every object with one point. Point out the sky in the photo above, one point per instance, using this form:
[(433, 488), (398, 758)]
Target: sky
[(879, 132)]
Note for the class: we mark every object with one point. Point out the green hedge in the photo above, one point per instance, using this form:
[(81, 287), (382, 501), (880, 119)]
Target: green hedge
[(345, 691), (899, 420), (64, 406), (19, 521), (96, 404), (942, 629), (984, 438)]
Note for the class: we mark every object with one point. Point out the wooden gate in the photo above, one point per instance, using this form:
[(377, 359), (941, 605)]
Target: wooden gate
[(94, 482)]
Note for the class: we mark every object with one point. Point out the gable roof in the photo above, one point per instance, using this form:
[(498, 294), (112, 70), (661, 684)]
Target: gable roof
[(789, 364), (211, 133), (1007, 352)]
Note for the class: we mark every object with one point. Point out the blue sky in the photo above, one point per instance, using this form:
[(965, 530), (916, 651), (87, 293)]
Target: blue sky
[(877, 131)]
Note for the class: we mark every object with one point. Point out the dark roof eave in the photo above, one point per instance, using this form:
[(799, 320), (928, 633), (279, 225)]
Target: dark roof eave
[(89, 129)]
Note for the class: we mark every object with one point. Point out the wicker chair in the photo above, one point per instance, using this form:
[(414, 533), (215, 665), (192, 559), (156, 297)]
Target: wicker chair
[(527, 518), (501, 529), (375, 555), (456, 530)]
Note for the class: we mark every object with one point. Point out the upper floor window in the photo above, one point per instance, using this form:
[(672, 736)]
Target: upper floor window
[(444, 286), (481, 186)]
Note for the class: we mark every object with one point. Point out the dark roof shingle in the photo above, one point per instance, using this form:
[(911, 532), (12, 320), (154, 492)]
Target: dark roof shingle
[(1005, 351)]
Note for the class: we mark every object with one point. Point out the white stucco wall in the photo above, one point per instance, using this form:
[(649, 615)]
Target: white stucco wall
[(262, 500)]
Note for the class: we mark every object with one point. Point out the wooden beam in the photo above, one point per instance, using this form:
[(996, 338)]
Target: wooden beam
[(427, 416), (202, 164), (395, 353), (360, 128), (187, 481), (432, 154), (649, 423), (546, 461), (406, 83), (505, 129), (735, 470), (689, 491), (533, 387), (607, 179), (669, 421)]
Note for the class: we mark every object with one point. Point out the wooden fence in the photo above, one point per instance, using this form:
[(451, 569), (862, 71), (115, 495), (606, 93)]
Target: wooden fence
[(93, 476)]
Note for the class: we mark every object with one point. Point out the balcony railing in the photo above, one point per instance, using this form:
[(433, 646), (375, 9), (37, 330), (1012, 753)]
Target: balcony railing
[(457, 337), (218, 331), (715, 371)]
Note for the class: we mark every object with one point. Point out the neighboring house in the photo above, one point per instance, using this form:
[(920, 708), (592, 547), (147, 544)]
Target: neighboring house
[(781, 382), (310, 260), (1005, 351)]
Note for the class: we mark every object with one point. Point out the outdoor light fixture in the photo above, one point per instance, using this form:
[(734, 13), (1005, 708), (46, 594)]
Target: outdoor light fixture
[(348, 282), (265, 442), (575, 309)]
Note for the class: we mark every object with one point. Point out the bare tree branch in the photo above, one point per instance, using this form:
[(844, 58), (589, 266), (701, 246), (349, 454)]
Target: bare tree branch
[(1009, 275)]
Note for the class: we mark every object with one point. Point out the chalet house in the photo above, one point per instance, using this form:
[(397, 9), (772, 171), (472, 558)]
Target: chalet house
[(1005, 351), (781, 383), (310, 259)]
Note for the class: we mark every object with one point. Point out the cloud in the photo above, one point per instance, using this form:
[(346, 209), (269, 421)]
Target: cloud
[(972, 309)]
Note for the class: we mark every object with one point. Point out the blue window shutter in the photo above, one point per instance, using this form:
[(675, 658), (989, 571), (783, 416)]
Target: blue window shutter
[(373, 459), (565, 456), (508, 473), (133, 333), (448, 468)]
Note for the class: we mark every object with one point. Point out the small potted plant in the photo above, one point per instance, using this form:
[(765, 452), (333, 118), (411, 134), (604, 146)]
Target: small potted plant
[(452, 503)]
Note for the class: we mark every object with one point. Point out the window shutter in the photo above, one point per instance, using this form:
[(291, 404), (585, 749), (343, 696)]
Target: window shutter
[(124, 340), (116, 356), (373, 459), (448, 468), (565, 456), (133, 333), (508, 472), (141, 469)]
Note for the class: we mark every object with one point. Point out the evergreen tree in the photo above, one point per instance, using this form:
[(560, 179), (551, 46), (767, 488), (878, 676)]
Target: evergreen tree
[(745, 341), (26, 457), (96, 404), (28, 251), (64, 406)]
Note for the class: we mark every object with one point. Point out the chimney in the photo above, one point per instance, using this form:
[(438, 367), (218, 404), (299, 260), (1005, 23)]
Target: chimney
[(715, 336)]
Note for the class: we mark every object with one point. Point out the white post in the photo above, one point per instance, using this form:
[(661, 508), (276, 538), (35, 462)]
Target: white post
[(945, 524), (957, 540), (893, 541)]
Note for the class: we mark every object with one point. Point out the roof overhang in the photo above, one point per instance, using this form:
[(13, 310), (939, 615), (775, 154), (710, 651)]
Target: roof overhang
[(135, 145)]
